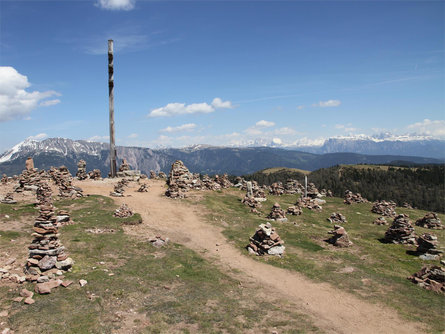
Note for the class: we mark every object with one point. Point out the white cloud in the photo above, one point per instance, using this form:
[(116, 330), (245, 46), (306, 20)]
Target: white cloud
[(328, 103), (428, 127), (133, 135), (300, 107), (277, 141), (99, 138), (15, 101), (49, 103), (173, 109), (183, 127), (264, 124), (39, 136), (116, 4)]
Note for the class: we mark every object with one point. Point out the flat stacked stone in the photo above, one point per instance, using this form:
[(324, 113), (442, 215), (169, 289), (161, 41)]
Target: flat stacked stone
[(351, 198), (294, 210), (95, 174), (339, 237), (266, 241), (277, 213), (430, 278), (427, 246), (337, 218), (276, 189), (384, 208), (223, 181), (431, 221), (8, 199), (401, 231), (123, 212), (81, 173), (380, 221)]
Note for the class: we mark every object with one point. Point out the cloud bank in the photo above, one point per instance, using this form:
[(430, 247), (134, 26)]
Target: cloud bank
[(116, 4)]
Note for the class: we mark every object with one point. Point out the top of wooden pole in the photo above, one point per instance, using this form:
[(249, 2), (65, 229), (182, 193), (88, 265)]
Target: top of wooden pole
[(110, 46)]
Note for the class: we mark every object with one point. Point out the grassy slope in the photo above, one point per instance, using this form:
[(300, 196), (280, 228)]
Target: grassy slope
[(165, 290), (380, 270), (291, 170)]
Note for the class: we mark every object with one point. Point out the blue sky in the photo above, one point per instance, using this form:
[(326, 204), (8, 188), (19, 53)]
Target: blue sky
[(221, 73)]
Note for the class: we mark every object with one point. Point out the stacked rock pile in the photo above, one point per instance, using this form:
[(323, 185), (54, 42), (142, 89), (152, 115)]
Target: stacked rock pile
[(60, 174), (430, 278), (29, 179), (46, 253), (401, 231), (43, 194), (256, 190), (239, 182), (380, 221), (118, 190), (406, 205), (179, 180), (123, 212), (158, 241), (337, 218), (430, 220), (384, 208), (81, 173), (153, 175), (427, 246), (312, 190), (124, 170), (209, 184), (351, 198), (143, 188), (162, 175), (266, 241), (309, 203), (293, 187), (294, 210), (124, 166), (63, 178), (223, 181), (329, 193), (252, 203), (29, 164), (63, 218), (95, 174), (8, 199), (339, 237), (277, 213), (4, 179), (276, 189)]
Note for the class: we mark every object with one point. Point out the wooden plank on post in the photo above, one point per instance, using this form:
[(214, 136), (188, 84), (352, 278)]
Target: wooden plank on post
[(111, 103)]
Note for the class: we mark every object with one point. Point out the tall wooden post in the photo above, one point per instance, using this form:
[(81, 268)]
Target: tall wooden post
[(111, 102), (305, 186)]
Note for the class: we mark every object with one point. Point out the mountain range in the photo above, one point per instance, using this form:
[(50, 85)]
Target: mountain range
[(198, 158)]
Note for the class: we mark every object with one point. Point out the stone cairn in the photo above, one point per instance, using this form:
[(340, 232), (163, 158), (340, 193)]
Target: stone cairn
[(8, 199), (312, 191), (124, 166), (406, 205), (276, 189), (401, 231), (81, 170), (249, 199), (63, 218), (223, 181), (384, 208), (4, 179), (277, 213), (125, 171), (30, 177), (63, 179), (294, 210), (143, 188), (339, 237), (95, 174), (256, 191), (153, 175), (351, 198), (326, 193), (123, 212), (427, 246), (431, 221), (179, 180), (309, 203), (162, 175), (266, 241), (430, 278), (209, 184), (47, 256), (293, 187), (380, 221), (118, 190), (337, 218)]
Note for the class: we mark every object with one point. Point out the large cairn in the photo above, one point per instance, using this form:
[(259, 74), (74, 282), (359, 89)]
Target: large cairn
[(266, 241), (384, 208), (63, 179), (46, 252), (427, 246), (277, 213), (401, 231), (430, 220), (81, 173), (312, 191), (337, 218), (339, 237), (276, 189), (351, 198), (30, 177), (179, 180), (430, 278)]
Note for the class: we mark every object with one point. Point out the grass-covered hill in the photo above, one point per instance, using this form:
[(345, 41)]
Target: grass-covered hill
[(421, 186)]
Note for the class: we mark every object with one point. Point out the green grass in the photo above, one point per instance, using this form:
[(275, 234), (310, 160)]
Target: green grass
[(380, 269), (159, 290)]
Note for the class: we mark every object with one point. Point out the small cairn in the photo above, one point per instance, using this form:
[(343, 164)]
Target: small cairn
[(430, 278), (276, 189), (162, 175), (8, 199), (4, 179), (312, 191), (277, 213), (339, 237), (143, 188), (81, 170), (329, 193), (158, 241), (431, 221), (384, 208), (209, 184), (266, 241), (293, 187), (406, 205), (351, 198), (123, 212), (309, 203), (427, 246), (337, 218), (294, 210), (95, 174), (119, 188), (223, 181), (46, 253), (401, 231), (380, 221), (153, 175), (124, 166)]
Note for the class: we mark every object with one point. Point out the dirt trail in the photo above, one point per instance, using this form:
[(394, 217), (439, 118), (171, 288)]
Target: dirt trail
[(332, 310)]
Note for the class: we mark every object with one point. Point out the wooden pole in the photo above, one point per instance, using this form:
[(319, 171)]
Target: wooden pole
[(305, 186), (111, 103)]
